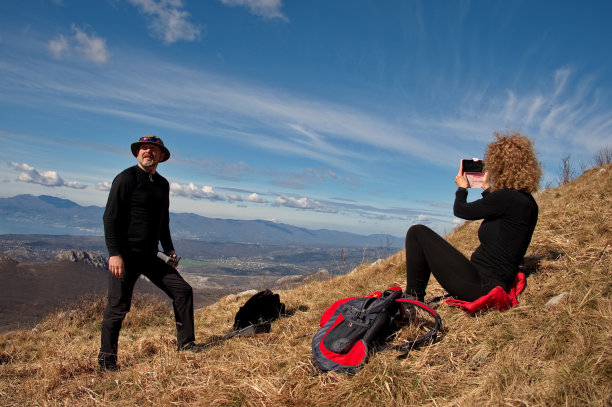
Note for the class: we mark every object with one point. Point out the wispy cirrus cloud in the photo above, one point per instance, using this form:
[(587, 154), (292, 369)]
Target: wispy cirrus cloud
[(46, 178), (308, 177), (340, 136), (215, 106), (168, 20), (270, 9), (565, 107)]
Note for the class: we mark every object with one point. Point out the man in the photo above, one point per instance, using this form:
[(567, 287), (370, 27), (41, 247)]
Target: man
[(136, 220)]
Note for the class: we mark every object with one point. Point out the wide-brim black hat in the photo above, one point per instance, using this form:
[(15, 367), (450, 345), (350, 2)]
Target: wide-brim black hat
[(151, 139)]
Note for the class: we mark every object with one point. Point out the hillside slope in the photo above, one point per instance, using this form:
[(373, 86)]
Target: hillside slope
[(30, 292), (531, 355)]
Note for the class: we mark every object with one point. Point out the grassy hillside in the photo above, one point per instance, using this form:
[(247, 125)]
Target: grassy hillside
[(531, 355)]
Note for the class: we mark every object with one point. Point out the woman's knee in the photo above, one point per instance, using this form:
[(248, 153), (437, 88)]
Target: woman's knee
[(416, 230)]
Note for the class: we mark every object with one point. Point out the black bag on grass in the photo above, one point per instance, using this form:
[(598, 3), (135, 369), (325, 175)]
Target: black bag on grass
[(254, 317), (258, 313)]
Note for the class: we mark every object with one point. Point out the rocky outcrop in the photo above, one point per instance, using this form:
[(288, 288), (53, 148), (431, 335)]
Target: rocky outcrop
[(75, 256), (25, 255)]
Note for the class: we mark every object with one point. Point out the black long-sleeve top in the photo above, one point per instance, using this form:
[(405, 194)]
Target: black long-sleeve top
[(137, 217), (509, 219)]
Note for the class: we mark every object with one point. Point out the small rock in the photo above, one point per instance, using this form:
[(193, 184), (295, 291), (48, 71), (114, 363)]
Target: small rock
[(556, 299)]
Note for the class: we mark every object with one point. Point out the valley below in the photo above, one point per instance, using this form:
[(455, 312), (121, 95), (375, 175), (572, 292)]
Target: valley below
[(40, 274)]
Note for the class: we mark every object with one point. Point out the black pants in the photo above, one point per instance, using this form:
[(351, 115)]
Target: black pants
[(120, 299), (428, 253)]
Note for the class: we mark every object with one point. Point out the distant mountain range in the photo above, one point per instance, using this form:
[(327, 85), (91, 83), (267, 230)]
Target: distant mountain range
[(29, 214)]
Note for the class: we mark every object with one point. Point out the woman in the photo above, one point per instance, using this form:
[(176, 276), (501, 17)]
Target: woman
[(509, 213)]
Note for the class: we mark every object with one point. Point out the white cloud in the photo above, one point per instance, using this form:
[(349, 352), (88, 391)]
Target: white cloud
[(207, 192), (59, 47), (103, 186), (193, 192), (89, 47), (263, 8), (234, 198), (75, 185), (255, 197), (167, 20), (303, 203), (46, 178)]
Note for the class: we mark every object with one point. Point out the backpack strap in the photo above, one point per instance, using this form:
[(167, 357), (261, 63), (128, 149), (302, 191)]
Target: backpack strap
[(429, 337), (260, 328)]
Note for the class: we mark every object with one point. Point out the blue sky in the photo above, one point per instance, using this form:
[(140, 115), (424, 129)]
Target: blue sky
[(347, 115)]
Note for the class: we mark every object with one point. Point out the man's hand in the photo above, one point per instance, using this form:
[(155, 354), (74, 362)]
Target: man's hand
[(116, 266), (174, 256)]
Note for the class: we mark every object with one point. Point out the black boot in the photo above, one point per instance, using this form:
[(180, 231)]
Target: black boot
[(107, 362), (192, 347)]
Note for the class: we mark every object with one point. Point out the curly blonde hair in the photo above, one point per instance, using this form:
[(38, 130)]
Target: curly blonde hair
[(512, 163)]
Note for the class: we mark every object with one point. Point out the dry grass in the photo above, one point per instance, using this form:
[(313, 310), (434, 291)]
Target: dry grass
[(531, 355)]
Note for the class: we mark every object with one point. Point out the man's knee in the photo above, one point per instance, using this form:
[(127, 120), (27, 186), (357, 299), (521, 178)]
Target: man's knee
[(183, 290), (186, 291)]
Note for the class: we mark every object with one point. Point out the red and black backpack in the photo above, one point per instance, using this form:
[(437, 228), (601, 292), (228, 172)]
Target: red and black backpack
[(354, 327)]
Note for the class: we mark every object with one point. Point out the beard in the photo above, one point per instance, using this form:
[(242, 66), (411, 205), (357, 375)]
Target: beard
[(147, 164)]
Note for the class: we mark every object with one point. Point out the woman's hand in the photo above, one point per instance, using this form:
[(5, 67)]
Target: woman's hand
[(485, 182), (460, 178)]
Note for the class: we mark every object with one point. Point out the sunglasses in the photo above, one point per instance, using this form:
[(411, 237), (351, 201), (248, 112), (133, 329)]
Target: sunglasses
[(150, 139)]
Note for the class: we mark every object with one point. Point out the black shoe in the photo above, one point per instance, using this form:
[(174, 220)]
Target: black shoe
[(107, 362), (192, 347)]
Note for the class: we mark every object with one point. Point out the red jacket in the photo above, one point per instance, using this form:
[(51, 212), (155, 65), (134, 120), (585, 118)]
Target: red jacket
[(496, 298)]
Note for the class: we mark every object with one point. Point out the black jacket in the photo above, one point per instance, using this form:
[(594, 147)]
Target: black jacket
[(137, 216), (509, 219)]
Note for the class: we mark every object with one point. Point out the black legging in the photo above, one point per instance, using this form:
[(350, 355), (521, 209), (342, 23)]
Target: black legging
[(428, 253)]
